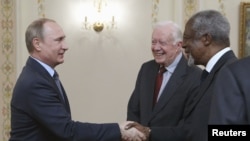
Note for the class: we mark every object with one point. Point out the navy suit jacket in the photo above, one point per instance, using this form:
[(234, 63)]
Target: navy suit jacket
[(231, 100), (165, 118), (38, 112), (197, 114)]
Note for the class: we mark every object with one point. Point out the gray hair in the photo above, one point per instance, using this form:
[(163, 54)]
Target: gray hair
[(211, 22), (176, 34), (35, 30)]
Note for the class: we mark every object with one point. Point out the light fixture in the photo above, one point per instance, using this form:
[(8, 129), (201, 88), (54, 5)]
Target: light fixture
[(101, 17)]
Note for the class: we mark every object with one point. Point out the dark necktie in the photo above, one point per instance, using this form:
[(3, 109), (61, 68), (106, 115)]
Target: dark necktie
[(204, 75), (58, 83), (158, 83)]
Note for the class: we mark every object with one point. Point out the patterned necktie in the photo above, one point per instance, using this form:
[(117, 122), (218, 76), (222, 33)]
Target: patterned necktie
[(58, 83), (158, 83)]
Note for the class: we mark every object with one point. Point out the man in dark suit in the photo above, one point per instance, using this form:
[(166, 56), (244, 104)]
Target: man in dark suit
[(206, 42), (231, 100), (179, 81), (40, 109)]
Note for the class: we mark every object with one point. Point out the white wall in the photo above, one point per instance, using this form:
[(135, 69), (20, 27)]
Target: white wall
[(100, 70)]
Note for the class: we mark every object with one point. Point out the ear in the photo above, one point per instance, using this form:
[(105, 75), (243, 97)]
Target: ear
[(207, 39), (36, 44), (178, 46)]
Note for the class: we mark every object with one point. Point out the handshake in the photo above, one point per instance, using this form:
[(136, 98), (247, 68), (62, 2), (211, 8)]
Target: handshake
[(133, 131)]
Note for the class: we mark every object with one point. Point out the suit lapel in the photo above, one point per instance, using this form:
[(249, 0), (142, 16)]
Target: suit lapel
[(227, 58), (66, 101), (148, 78), (44, 73), (63, 99), (174, 82), (151, 86), (203, 88)]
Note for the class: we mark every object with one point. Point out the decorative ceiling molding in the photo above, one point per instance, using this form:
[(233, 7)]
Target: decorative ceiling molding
[(41, 8)]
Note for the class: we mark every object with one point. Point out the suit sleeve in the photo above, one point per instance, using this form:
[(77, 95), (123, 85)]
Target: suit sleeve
[(50, 113), (133, 109)]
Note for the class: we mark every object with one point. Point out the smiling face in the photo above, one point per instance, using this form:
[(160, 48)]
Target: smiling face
[(194, 47), (52, 47), (163, 47)]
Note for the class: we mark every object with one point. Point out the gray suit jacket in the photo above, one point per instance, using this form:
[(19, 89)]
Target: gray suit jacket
[(166, 116)]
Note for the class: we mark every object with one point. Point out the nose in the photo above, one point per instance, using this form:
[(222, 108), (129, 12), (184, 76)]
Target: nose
[(65, 46), (156, 46), (184, 45)]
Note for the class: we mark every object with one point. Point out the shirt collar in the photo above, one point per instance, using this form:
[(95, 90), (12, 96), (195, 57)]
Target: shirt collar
[(50, 70), (173, 65), (212, 61)]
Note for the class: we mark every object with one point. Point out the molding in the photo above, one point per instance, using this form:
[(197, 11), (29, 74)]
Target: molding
[(7, 63)]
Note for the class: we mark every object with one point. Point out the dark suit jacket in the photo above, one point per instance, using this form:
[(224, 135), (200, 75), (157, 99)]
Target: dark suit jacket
[(168, 112), (198, 113), (39, 114), (231, 100)]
